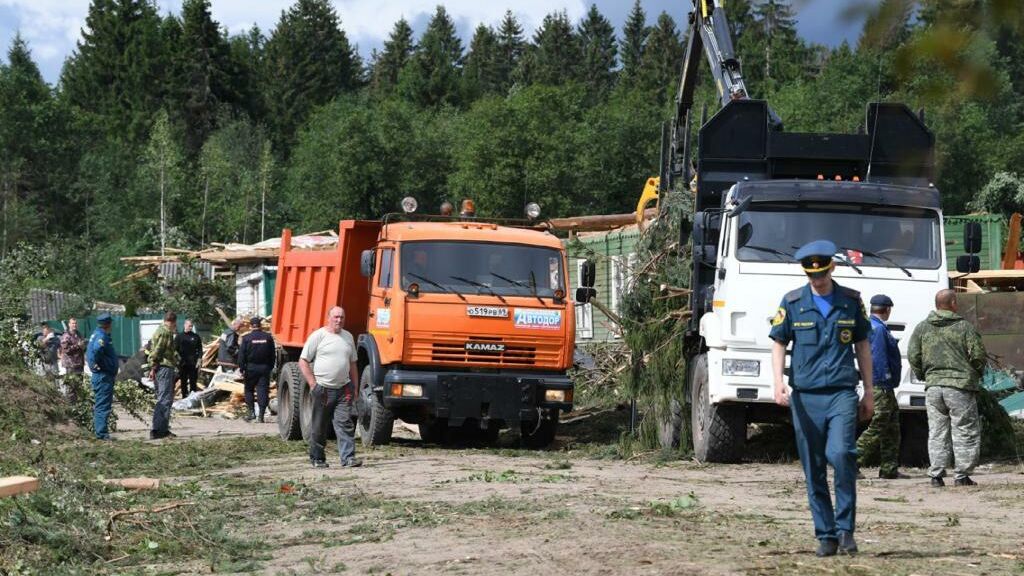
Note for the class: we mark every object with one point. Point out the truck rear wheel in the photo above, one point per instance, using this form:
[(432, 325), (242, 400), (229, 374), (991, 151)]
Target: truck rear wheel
[(375, 421), (719, 431), (913, 438), (539, 434), (670, 425), (290, 387)]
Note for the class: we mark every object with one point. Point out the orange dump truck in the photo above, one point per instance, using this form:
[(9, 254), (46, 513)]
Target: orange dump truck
[(458, 323)]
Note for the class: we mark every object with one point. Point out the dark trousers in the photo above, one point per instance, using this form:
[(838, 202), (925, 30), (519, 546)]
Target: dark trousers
[(825, 423), (188, 374), (257, 379), (103, 399), (334, 406), (165, 377)]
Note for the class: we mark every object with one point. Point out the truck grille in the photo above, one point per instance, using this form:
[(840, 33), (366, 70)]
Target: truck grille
[(509, 352)]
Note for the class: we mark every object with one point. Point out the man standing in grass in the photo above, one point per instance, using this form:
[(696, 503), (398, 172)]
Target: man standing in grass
[(163, 359), (102, 360)]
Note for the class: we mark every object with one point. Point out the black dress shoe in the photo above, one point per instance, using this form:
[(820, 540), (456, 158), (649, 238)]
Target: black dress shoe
[(894, 475), (937, 482), (847, 545), (965, 481), (826, 547)]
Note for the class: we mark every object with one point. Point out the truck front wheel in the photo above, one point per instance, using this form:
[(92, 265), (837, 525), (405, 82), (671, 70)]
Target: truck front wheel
[(375, 421), (538, 434), (719, 431), (290, 388)]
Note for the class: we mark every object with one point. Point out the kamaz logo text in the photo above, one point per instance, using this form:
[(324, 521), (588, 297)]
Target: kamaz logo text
[(484, 347)]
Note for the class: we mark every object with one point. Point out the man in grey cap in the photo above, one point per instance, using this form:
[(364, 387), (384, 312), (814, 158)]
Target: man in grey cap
[(882, 437)]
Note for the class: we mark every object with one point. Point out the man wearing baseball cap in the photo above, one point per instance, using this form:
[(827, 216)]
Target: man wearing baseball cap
[(882, 437), (827, 325), (102, 361)]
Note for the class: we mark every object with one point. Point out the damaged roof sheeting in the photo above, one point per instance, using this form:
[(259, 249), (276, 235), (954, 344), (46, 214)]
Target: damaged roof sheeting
[(45, 305)]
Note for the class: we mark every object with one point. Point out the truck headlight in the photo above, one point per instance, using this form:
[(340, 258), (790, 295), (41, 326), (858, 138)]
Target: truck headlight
[(738, 367), (413, 390), (558, 395)]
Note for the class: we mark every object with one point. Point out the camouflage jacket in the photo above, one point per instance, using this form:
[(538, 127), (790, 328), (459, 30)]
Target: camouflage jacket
[(163, 351), (946, 350)]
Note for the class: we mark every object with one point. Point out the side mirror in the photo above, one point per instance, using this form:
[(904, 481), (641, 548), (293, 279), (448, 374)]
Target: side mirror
[(588, 274), (972, 237), (367, 263), (584, 294), (968, 263)]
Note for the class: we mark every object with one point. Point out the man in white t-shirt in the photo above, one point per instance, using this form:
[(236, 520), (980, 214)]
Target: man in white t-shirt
[(328, 363)]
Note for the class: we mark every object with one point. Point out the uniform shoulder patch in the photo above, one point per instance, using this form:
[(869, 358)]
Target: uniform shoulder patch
[(793, 295), (780, 316)]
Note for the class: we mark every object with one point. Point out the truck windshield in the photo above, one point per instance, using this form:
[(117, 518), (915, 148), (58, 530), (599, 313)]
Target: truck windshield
[(895, 236), (482, 268)]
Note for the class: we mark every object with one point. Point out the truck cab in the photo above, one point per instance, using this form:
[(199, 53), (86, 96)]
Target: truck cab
[(459, 323), (891, 242)]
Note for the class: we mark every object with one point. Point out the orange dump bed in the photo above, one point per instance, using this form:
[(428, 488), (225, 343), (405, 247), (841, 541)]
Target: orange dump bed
[(310, 282)]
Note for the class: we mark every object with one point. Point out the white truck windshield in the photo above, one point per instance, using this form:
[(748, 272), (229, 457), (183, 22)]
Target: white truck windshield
[(482, 268), (870, 235)]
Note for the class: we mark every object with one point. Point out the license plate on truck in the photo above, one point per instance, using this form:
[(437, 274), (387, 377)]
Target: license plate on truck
[(487, 311)]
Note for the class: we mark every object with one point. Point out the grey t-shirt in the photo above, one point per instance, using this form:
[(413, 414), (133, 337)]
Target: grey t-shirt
[(330, 355)]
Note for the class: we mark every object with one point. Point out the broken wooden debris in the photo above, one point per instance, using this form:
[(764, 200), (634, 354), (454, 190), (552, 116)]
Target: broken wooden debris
[(134, 483), (14, 485)]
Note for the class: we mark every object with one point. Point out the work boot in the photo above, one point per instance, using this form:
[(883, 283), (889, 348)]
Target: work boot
[(847, 545), (894, 475), (965, 481), (260, 417), (352, 463), (937, 482), (826, 547), (250, 415), (319, 464)]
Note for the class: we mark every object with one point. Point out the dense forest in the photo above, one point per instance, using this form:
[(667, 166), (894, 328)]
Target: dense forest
[(166, 130)]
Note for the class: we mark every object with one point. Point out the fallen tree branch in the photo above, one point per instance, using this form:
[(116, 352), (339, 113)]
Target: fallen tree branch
[(119, 513)]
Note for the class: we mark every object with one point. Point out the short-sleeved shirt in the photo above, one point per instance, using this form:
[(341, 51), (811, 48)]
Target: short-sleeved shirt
[(823, 353), (330, 355)]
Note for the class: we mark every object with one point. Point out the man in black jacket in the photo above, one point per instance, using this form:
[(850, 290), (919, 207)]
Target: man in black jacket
[(256, 358), (190, 351)]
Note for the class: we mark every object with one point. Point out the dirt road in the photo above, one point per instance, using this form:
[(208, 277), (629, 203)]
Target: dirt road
[(414, 509)]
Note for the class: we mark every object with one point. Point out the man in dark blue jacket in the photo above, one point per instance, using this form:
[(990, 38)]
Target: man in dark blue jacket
[(882, 437), (102, 361)]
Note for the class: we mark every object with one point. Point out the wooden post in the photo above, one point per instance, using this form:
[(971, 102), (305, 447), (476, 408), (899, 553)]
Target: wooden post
[(14, 485)]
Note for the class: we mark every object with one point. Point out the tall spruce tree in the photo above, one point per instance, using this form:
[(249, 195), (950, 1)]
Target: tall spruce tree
[(554, 57), (482, 72), (662, 59), (432, 75), (511, 45), (598, 45), (398, 49), (634, 39), (248, 52), (204, 78), (309, 61), (116, 73)]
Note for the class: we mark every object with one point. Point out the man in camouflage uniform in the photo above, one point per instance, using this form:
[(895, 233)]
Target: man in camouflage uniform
[(882, 438), (163, 357), (947, 353)]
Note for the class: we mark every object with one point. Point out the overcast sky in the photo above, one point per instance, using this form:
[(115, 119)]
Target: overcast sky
[(52, 27)]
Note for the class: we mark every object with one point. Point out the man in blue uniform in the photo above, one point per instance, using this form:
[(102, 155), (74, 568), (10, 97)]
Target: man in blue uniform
[(882, 437), (827, 324), (102, 361), (256, 358)]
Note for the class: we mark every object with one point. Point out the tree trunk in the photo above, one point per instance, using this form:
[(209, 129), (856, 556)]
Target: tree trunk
[(162, 219), (206, 196)]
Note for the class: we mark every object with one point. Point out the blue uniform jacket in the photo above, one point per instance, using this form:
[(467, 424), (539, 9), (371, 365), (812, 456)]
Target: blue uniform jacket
[(823, 355), (885, 356), (100, 354)]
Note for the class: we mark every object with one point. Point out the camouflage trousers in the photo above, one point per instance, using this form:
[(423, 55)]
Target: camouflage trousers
[(954, 430), (881, 441)]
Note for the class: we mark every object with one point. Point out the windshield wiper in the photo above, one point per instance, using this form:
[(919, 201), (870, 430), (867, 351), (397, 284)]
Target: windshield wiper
[(882, 257), (533, 286), (442, 287), (767, 249), (520, 284), (480, 285)]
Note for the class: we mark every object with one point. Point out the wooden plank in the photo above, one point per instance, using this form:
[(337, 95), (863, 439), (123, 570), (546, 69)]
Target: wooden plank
[(14, 485), (134, 483)]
